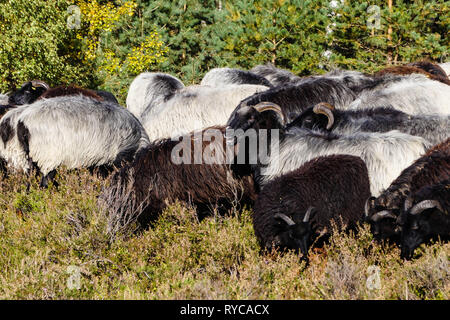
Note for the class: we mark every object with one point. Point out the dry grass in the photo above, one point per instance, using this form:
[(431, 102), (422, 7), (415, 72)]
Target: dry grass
[(45, 232)]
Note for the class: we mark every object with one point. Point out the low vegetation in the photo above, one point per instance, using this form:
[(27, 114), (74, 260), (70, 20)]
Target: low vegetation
[(54, 245)]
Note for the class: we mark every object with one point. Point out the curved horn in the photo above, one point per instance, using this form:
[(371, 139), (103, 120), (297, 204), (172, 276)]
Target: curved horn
[(327, 110), (285, 218), (424, 205), (367, 205), (383, 214), (265, 106), (308, 214), (40, 83)]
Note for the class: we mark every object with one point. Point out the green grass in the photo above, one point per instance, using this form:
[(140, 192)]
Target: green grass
[(45, 233)]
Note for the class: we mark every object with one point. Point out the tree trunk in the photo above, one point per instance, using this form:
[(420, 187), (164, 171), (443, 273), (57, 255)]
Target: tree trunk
[(389, 37)]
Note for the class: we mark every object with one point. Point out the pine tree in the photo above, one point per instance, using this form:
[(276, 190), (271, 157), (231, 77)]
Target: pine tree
[(190, 28), (410, 30), (289, 34)]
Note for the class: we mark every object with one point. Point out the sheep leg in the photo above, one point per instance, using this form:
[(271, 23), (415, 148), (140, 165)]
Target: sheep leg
[(47, 178), (3, 168)]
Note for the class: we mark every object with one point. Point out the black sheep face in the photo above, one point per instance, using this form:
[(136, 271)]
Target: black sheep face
[(243, 121), (295, 235), (244, 118), (382, 221), (415, 231), (249, 117), (385, 229), (25, 95)]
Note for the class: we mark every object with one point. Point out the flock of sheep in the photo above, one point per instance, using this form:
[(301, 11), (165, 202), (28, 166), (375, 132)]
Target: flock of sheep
[(345, 146)]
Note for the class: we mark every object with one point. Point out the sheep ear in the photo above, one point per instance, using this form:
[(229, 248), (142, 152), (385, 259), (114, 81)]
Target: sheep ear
[(284, 218), (309, 213)]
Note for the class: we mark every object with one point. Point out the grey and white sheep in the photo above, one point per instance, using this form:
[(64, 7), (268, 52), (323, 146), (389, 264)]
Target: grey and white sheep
[(194, 108), (323, 116), (219, 77), (413, 94), (74, 131), (149, 90)]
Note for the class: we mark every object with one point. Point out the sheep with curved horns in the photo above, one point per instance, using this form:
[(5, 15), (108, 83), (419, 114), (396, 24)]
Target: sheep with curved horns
[(295, 98), (139, 191), (295, 209), (413, 94), (32, 91), (149, 90), (382, 212), (385, 154), (426, 216), (74, 131), (323, 116), (194, 108), (224, 76)]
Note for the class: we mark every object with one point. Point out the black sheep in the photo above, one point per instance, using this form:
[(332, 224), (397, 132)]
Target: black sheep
[(294, 209), (34, 90), (429, 169), (425, 217), (143, 188)]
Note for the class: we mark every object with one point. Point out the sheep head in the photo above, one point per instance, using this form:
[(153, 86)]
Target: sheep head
[(28, 93), (415, 224), (321, 116), (296, 232), (382, 220), (244, 128)]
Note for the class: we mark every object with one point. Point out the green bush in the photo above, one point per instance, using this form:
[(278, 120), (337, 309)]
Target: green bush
[(192, 37), (35, 43)]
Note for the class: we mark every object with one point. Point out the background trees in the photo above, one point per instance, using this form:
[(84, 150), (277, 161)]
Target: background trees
[(116, 40)]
